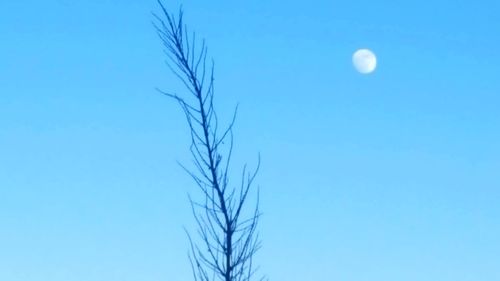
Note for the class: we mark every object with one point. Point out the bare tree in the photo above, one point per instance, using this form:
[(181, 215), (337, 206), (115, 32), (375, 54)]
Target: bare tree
[(226, 227)]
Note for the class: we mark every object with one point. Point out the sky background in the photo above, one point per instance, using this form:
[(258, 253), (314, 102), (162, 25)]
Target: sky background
[(384, 177)]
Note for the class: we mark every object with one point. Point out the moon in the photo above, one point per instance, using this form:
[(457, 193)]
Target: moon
[(364, 61)]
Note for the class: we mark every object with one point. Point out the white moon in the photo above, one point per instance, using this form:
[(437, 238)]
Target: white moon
[(364, 61)]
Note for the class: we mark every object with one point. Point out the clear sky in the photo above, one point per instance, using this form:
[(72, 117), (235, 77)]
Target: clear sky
[(384, 177)]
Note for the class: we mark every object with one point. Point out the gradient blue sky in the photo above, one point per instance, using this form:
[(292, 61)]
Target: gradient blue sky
[(384, 177)]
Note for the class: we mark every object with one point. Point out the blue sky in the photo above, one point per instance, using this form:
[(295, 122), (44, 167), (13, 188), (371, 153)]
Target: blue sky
[(388, 176)]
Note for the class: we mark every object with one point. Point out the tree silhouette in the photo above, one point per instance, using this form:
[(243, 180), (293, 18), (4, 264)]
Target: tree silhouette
[(226, 227)]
